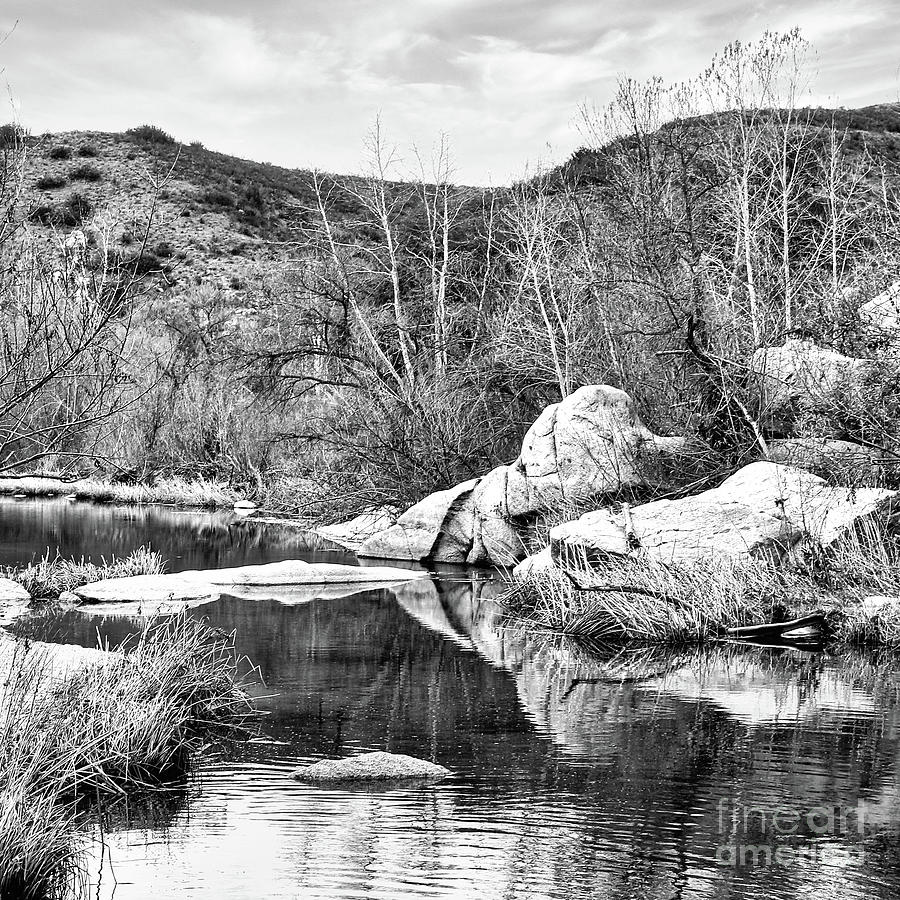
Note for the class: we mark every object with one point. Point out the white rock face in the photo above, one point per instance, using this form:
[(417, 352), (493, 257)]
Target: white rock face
[(764, 509), (801, 376), (853, 463), (352, 534), (881, 314), (199, 585), (376, 766), (590, 444)]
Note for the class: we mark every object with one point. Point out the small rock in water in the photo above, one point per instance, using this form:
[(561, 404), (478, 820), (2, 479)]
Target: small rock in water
[(377, 766), (247, 505)]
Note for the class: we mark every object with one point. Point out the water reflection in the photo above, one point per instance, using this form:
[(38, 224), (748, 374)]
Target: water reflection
[(186, 539), (628, 775), (579, 775)]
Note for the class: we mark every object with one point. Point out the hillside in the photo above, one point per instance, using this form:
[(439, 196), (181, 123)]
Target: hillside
[(214, 217)]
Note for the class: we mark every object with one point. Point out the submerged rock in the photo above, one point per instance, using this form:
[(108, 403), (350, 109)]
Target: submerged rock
[(590, 444), (199, 585), (377, 766)]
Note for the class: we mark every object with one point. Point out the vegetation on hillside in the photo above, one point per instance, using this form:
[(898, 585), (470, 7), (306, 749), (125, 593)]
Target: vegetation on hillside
[(384, 335)]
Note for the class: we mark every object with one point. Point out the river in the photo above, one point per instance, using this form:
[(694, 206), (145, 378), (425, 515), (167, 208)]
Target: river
[(730, 773)]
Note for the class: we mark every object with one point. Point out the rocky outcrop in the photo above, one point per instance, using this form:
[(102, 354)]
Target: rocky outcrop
[(763, 510), (881, 315), (377, 766), (844, 460), (196, 586), (592, 443), (802, 377)]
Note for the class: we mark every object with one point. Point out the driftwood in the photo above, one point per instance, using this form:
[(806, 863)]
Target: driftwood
[(811, 626)]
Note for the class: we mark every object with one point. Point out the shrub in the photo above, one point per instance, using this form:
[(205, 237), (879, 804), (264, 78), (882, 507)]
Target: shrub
[(11, 136), (88, 150), (75, 211), (42, 214), (85, 172), (164, 250), (197, 145), (150, 134), (50, 182), (60, 152), (217, 197)]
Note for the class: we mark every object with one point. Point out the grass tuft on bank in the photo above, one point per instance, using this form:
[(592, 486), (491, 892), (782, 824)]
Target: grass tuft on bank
[(127, 720), (50, 576), (642, 601)]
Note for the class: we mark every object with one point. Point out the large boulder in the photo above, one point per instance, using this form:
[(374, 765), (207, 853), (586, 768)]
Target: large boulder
[(762, 510), (591, 444), (352, 534), (802, 377)]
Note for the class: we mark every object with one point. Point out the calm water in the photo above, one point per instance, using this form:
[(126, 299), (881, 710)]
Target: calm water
[(736, 773)]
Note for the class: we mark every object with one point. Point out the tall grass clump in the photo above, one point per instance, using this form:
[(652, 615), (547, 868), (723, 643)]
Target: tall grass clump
[(51, 576), (644, 601), (76, 730)]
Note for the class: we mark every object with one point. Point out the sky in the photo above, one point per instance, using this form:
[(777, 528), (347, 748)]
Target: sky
[(300, 83)]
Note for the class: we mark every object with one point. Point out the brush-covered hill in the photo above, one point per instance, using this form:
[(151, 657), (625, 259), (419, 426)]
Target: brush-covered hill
[(212, 217)]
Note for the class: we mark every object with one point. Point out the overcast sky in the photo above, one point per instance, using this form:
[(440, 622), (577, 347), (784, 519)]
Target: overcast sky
[(299, 82)]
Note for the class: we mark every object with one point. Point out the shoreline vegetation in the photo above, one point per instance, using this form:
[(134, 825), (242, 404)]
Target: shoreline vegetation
[(200, 492), (50, 577), (856, 585), (111, 725)]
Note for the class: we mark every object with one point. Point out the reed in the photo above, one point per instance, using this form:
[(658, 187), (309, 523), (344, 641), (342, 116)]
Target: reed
[(643, 601), (50, 576), (126, 720)]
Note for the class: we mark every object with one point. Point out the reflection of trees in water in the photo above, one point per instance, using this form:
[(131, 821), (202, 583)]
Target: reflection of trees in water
[(186, 539), (601, 769)]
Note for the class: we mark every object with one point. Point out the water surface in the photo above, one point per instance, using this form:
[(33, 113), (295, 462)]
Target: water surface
[(732, 773)]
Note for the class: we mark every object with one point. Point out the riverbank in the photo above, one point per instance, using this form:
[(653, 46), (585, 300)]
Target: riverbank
[(856, 585), (79, 726), (175, 491)]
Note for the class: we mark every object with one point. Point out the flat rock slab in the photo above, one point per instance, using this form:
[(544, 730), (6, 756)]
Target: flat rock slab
[(197, 585), (377, 766), (12, 592)]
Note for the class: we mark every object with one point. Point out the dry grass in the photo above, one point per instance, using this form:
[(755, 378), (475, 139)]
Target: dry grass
[(176, 491), (51, 576), (131, 722), (641, 601)]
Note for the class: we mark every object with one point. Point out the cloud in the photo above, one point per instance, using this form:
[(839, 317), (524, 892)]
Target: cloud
[(299, 83)]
